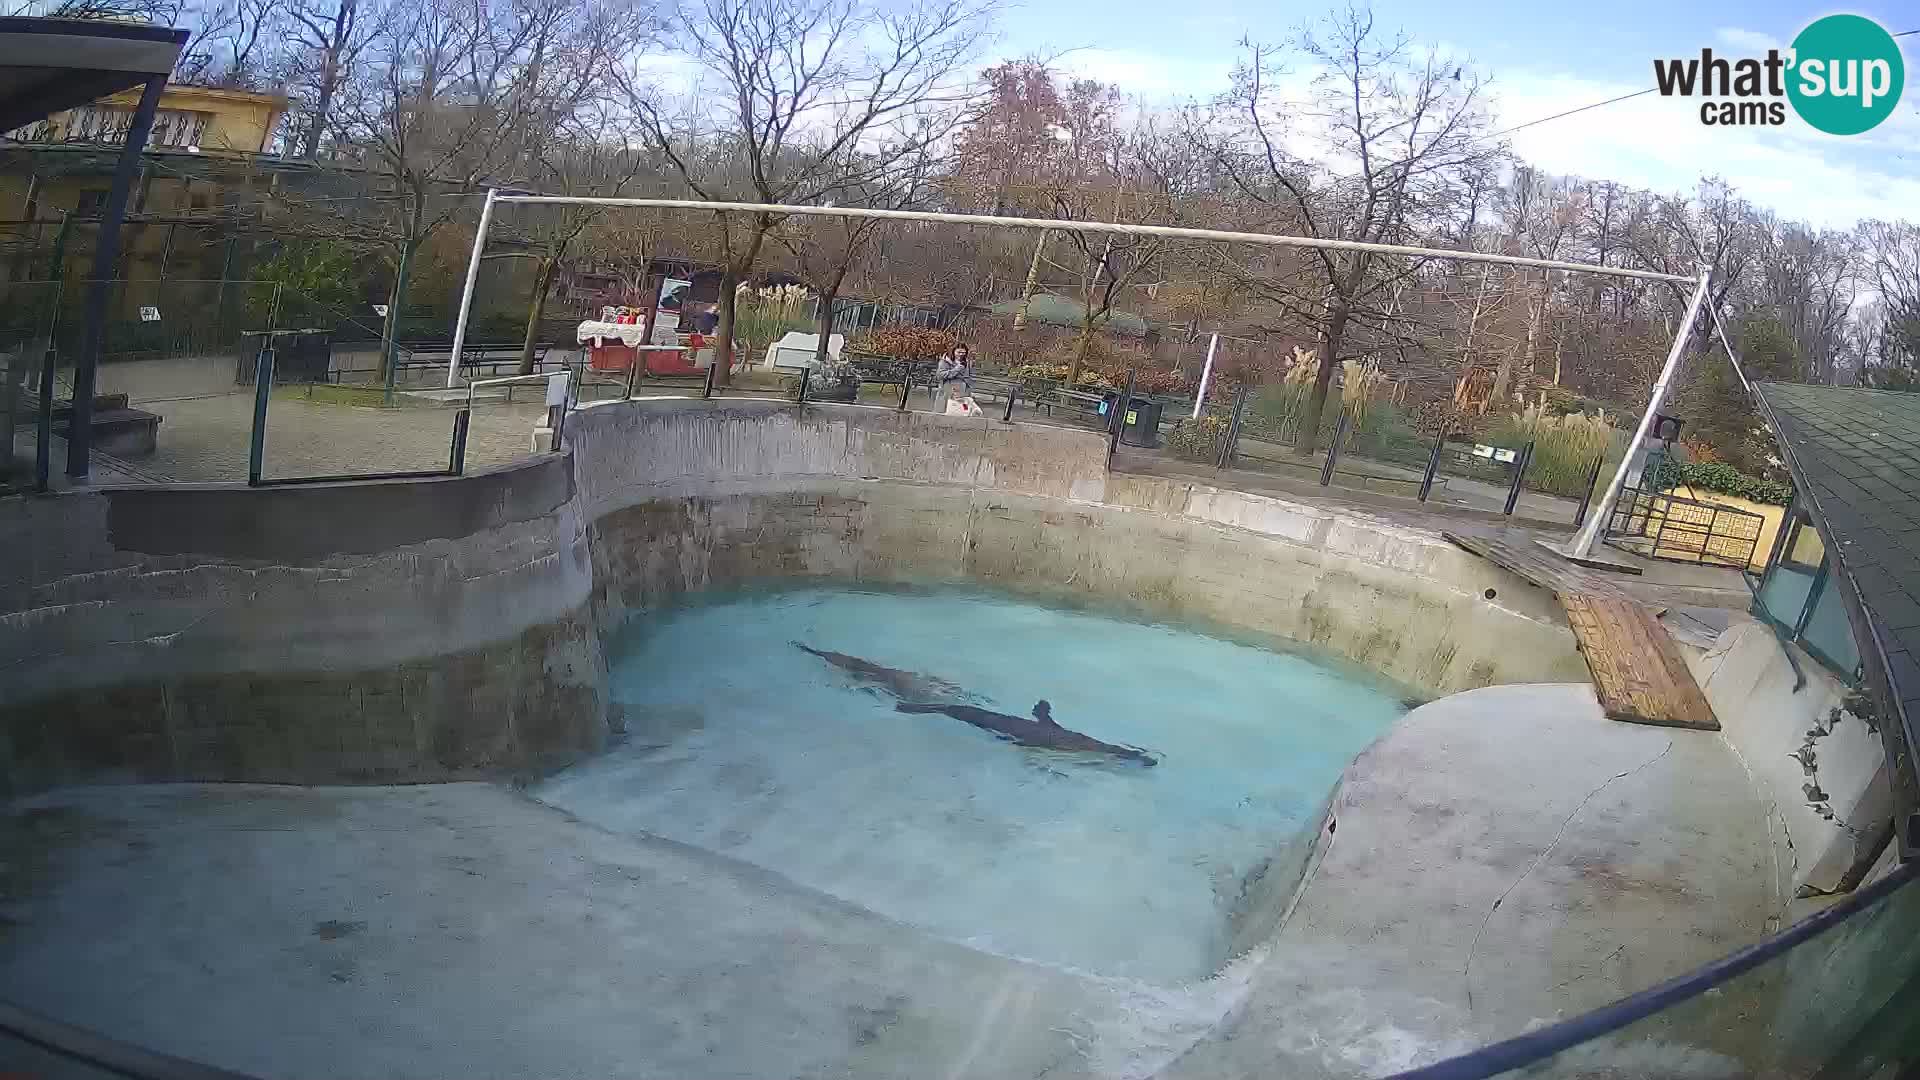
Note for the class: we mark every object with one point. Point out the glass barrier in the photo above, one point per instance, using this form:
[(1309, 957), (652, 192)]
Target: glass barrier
[(1835, 996), (27, 311)]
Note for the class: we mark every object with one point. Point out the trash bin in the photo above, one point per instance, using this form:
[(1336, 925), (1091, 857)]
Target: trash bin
[(1140, 425)]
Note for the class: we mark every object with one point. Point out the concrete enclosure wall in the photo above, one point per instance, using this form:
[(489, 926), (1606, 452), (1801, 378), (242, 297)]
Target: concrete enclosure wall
[(427, 630)]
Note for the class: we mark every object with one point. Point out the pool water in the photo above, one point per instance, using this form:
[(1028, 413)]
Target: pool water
[(741, 743)]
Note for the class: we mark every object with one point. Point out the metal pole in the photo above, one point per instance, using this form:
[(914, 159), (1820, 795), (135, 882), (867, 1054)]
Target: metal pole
[(1206, 376), (1586, 493), (707, 390), (1231, 446), (262, 391), (1720, 329), (1433, 467), (806, 376), (106, 253), (1170, 231), (457, 458), (1519, 478), (1582, 545), (466, 291), (1333, 448), (906, 385), (1013, 395), (43, 451), (1119, 418)]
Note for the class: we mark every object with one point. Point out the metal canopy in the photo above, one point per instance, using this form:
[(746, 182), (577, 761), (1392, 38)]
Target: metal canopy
[(47, 65)]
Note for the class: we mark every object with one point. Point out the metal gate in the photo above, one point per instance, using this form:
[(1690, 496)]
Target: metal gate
[(1657, 525)]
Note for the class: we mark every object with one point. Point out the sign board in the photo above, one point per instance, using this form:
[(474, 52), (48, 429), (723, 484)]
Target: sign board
[(1132, 417), (1496, 453), (149, 314), (673, 293), (557, 389), (380, 310)]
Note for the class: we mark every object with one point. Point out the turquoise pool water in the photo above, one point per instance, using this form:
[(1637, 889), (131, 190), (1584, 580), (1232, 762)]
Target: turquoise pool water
[(741, 743)]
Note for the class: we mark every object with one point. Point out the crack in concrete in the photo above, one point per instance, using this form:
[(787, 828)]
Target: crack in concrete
[(1466, 972)]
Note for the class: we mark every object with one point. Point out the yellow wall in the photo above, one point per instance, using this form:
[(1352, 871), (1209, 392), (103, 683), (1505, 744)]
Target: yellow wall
[(237, 121)]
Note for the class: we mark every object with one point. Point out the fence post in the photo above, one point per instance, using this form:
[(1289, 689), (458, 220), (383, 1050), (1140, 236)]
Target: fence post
[(43, 451), (1333, 448), (1586, 493), (806, 377), (1231, 447), (1519, 478), (707, 390), (1119, 418), (457, 457), (262, 390), (1013, 395), (1433, 467), (906, 385)]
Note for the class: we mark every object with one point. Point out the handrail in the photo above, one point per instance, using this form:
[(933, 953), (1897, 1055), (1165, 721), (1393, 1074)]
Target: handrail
[(1535, 1046), (503, 380)]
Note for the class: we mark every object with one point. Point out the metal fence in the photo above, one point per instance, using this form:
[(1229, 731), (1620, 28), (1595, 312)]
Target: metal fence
[(1657, 525)]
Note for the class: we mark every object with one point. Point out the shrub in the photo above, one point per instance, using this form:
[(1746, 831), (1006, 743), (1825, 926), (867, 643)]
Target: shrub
[(1564, 447), (1198, 440), (905, 342), (1725, 479)]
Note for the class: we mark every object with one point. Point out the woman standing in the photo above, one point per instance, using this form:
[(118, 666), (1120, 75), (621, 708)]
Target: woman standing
[(954, 374)]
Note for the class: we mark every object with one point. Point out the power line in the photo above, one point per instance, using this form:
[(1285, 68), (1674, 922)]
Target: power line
[(1570, 112)]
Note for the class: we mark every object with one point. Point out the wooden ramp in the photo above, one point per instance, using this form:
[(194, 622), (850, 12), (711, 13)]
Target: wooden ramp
[(1638, 672)]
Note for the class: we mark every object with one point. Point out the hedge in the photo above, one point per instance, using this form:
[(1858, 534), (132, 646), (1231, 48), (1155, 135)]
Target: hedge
[(1725, 479)]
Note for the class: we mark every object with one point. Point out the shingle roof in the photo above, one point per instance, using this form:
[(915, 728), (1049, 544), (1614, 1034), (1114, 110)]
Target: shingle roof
[(1855, 457)]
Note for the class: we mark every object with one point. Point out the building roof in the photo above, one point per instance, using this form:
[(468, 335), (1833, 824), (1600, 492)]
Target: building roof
[(1855, 458), (47, 65)]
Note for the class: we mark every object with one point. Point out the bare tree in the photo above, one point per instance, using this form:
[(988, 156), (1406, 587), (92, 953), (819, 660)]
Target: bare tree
[(803, 85), (1393, 137)]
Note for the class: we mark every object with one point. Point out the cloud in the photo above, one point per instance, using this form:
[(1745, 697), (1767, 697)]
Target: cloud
[(1159, 78), (1659, 143), (1748, 41)]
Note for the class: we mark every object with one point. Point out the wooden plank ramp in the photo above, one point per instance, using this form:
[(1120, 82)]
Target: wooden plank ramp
[(1638, 673)]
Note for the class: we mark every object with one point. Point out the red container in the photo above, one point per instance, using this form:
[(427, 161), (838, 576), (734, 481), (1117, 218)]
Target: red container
[(609, 355)]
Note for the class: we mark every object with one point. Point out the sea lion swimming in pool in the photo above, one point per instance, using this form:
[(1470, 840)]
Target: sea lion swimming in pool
[(907, 685), (1041, 731)]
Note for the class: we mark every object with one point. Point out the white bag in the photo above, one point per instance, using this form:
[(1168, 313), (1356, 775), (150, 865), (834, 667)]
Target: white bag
[(963, 406)]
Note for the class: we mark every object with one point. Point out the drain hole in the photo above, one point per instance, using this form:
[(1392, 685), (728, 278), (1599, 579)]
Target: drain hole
[(1489, 594)]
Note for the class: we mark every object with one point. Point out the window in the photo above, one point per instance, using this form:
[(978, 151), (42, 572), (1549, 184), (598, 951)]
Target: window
[(1799, 597)]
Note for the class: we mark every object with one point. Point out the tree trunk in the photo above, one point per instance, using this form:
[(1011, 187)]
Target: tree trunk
[(1080, 348), (396, 304), (1308, 438), (823, 326), (735, 270), (542, 281), (329, 77), (723, 333)]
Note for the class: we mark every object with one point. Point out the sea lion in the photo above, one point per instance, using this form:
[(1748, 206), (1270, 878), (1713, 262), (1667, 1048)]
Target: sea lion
[(906, 685), (1041, 731)]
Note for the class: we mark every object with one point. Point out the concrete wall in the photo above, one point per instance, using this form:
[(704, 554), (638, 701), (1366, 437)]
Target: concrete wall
[(330, 633), (1749, 683), (450, 627)]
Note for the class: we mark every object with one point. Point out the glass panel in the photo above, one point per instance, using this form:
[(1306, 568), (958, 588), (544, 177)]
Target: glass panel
[(1784, 595), (1828, 634), (1805, 549), (1838, 1005)]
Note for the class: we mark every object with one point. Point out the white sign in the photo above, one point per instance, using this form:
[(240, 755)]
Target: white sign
[(1497, 453), (380, 310), (557, 389), (149, 314), (673, 293)]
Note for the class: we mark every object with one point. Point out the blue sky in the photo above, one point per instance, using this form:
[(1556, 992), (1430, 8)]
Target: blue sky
[(1541, 64)]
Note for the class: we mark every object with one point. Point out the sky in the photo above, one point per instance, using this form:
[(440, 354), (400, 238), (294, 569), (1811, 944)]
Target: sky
[(1540, 63)]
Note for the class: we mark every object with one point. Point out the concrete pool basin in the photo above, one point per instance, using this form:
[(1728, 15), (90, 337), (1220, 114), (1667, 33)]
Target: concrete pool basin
[(451, 632)]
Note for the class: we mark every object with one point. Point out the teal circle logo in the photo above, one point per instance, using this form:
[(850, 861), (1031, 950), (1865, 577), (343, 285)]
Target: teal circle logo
[(1847, 74)]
